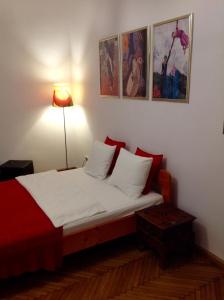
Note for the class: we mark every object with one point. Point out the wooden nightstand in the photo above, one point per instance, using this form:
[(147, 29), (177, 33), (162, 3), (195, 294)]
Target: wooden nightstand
[(167, 230), (14, 168)]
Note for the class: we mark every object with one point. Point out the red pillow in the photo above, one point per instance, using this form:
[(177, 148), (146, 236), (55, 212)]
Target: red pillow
[(119, 145), (156, 164)]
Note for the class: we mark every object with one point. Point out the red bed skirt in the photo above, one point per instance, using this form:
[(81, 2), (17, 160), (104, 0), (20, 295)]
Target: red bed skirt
[(28, 239)]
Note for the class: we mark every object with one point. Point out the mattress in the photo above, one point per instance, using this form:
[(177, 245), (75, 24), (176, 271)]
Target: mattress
[(76, 200), (115, 202)]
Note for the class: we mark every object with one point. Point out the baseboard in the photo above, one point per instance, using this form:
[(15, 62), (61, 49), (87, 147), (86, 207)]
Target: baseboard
[(215, 259)]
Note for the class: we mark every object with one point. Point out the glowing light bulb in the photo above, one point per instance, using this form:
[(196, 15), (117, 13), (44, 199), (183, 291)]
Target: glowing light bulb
[(62, 96)]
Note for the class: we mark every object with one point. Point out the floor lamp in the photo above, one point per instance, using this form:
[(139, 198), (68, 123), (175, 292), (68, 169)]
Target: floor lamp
[(62, 98)]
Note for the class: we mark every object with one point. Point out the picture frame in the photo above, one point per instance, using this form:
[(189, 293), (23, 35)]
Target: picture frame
[(171, 59), (135, 63), (109, 64)]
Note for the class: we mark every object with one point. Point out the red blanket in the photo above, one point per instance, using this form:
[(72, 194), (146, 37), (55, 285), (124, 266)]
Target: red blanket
[(28, 240)]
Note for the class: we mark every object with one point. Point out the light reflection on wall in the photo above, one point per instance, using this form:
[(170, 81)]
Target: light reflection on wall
[(75, 119), (77, 86), (56, 64), (54, 74), (77, 93), (52, 117), (77, 74)]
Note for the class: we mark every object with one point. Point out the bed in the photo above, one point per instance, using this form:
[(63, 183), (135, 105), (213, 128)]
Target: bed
[(117, 222), (117, 219)]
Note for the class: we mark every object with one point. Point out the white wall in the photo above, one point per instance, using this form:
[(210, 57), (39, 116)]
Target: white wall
[(47, 41), (36, 52), (190, 135)]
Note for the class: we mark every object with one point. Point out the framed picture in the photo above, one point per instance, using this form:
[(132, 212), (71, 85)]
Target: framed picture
[(109, 66), (135, 64), (172, 44)]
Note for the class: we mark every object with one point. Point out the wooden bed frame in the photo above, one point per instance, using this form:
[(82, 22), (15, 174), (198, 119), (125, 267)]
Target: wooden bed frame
[(119, 227)]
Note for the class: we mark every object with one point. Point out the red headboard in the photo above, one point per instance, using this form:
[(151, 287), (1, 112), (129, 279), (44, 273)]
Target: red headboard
[(165, 185)]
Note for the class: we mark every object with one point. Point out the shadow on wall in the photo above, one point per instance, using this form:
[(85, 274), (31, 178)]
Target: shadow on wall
[(174, 191), (174, 184), (201, 235)]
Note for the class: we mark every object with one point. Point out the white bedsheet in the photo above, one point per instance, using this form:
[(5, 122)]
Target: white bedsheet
[(59, 197), (76, 188), (123, 210)]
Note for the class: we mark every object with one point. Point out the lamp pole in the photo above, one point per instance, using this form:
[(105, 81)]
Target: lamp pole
[(66, 153), (62, 98)]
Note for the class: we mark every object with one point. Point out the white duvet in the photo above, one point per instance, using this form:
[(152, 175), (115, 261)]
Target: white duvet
[(59, 197)]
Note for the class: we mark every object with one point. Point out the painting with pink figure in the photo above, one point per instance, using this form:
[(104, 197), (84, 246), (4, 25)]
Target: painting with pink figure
[(172, 41)]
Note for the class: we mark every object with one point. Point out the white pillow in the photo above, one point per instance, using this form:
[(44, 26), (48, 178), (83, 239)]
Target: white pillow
[(130, 173), (99, 160)]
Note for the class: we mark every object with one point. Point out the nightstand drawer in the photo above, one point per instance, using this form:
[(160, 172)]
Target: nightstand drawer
[(147, 228), (180, 232)]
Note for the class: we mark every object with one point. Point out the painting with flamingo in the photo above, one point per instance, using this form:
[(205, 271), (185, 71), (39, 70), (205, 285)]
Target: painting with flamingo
[(172, 42)]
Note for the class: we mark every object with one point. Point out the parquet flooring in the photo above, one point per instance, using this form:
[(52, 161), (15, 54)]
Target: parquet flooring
[(119, 271)]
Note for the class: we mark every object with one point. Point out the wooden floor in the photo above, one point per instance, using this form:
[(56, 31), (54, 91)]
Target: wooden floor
[(119, 271)]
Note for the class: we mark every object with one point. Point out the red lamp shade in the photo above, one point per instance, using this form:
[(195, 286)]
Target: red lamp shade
[(61, 96)]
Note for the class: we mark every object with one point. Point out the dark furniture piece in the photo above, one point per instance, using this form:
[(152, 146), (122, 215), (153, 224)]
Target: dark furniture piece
[(13, 168), (167, 230)]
